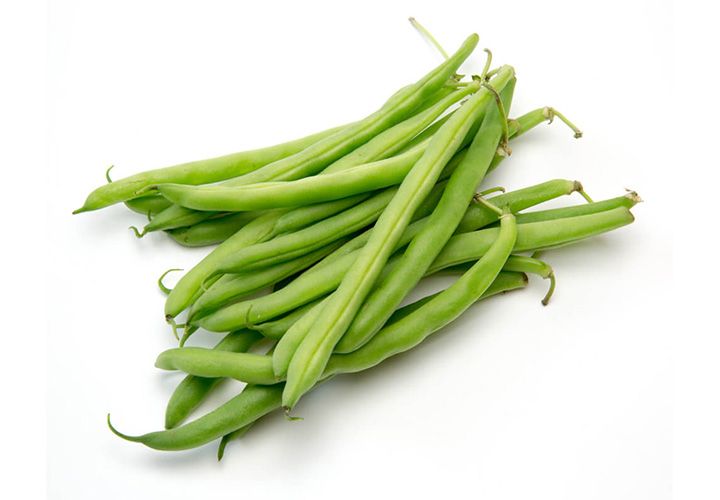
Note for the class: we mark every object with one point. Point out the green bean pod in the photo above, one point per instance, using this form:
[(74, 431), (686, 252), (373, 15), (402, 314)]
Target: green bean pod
[(505, 282), (233, 286), (199, 172), (277, 328), (464, 247), (212, 231), (253, 402), (350, 175), (628, 201), (148, 205), (261, 229), (248, 367), (317, 156), (411, 330), (440, 226), (192, 390), (312, 355), (533, 236), (360, 179)]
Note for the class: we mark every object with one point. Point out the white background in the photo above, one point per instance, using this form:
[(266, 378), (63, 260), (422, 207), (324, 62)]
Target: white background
[(513, 401)]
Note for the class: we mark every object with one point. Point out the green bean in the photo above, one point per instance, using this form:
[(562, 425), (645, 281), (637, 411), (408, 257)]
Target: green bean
[(148, 205), (233, 286), (261, 229), (308, 190), (231, 437), (464, 247), (440, 226), (531, 265), (192, 390), (295, 244), (253, 402), (533, 236), (312, 355), (312, 159), (251, 368), (276, 328), (438, 312), (288, 345), (629, 200), (393, 140), (190, 199), (505, 282), (317, 282), (200, 172), (212, 231), (478, 215)]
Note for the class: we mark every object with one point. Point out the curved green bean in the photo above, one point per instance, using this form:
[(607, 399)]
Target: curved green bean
[(408, 332), (192, 390), (277, 328), (199, 172), (440, 226), (350, 175), (232, 286), (312, 354), (255, 401), (628, 201), (463, 247), (212, 231), (261, 229), (316, 156), (148, 205)]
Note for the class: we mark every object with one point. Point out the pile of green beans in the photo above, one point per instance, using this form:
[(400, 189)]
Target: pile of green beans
[(317, 242)]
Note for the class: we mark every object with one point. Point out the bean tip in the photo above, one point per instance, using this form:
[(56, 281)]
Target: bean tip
[(633, 196)]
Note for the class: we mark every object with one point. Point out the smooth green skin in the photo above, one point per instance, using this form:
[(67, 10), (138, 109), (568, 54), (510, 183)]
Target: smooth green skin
[(464, 247), (277, 328), (478, 215), (505, 282), (393, 140), (251, 404), (177, 217), (258, 230), (528, 265), (291, 340), (148, 205), (353, 174), (288, 345), (289, 245), (311, 357), (255, 401), (200, 172), (320, 280), (251, 368), (360, 179), (440, 226), (411, 330), (318, 155), (628, 201), (233, 286), (212, 231), (292, 245), (231, 437), (193, 390), (533, 236)]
